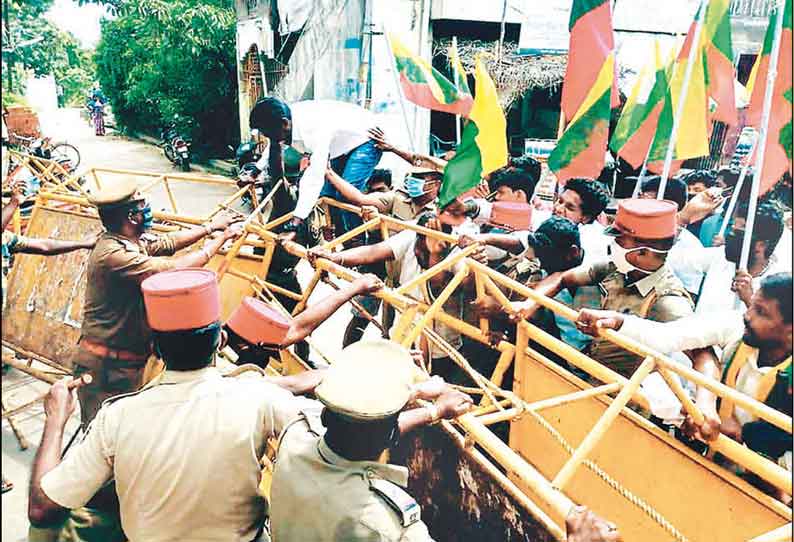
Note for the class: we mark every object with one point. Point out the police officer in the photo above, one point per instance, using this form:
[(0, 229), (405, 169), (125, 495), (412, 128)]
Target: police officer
[(114, 345), (337, 450), (635, 280), (256, 331), (184, 451)]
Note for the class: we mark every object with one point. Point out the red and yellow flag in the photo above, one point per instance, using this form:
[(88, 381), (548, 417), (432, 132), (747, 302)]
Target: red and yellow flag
[(425, 86), (778, 153)]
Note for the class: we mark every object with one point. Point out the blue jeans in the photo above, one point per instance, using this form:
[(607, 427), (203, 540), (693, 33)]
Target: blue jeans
[(356, 168)]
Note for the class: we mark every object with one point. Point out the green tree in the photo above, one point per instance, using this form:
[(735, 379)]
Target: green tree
[(160, 59), (33, 44)]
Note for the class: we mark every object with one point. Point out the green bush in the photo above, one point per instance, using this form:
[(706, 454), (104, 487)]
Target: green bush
[(157, 60)]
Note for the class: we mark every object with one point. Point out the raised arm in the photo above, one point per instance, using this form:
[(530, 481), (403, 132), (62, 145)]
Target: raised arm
[(308, 320), (416, 159), (185, 238), (351, 193), (363, 255), (504, 241)]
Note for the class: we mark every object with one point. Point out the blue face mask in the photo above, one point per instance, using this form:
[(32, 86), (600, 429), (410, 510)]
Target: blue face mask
[(148, 217), (415, 186)]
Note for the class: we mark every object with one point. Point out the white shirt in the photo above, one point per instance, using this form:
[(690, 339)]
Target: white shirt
[(594, 242), (716, 294), (327, 129), (407, 268), (184, 454), (689, 274), (698, 331)]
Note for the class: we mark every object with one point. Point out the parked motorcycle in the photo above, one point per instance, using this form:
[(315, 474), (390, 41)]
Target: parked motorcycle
[(175, 147)]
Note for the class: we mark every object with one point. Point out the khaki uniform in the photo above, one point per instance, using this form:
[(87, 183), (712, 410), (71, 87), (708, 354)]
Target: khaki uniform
[(319, 496), (659, 296), (400, 205), (184, 454), (114, 315)]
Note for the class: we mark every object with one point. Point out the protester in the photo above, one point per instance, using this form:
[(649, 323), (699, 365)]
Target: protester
[(418, 195), (696, 182), (756, 357), (582, 201), (331, 131), (183, 452), (343, 438), (411, 253), (724, 285)]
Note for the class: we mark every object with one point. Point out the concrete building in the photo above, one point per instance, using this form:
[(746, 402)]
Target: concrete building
[(337, 49)]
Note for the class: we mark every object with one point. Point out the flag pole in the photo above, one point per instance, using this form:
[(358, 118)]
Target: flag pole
[(736, 190), (456, 75), (679, 109), (759, 159), (399, 90)]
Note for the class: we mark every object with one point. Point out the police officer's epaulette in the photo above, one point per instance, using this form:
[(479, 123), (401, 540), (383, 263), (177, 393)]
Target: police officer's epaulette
[(406, 507)]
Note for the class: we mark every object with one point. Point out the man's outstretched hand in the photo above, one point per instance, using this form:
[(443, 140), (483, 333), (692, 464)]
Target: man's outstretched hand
[(591, 321), (582, 525)]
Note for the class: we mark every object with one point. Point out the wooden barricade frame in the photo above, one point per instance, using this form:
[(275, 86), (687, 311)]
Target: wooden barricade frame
[(547, 496)]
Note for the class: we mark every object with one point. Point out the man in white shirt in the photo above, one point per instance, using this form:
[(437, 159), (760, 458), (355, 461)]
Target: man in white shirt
[(331, 131), (756, 356), (407, 254), (725, 289)]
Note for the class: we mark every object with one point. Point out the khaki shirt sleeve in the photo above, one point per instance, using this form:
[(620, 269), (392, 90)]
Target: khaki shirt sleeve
[(283, 407), (162, 245), (86, 467), (670, 307), (591, 274), (135, 266), (387, 200)]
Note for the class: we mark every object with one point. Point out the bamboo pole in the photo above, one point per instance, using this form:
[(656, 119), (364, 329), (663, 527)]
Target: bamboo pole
[(444, 265), (781, 534), (318, 273), (436, 306), (170, 195), (679, 108), (355, 232), (758, 464), (235, 249), (560, 400), (504, 362), (736, 190), (602, 425), (508, 485), (759, 170), (559, 503), (480, 289)]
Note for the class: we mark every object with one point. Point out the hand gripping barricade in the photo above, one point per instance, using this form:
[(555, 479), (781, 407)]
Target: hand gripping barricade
[(568, 441)]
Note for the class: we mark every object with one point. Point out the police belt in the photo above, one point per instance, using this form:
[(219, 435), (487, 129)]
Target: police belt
[(103, 351)]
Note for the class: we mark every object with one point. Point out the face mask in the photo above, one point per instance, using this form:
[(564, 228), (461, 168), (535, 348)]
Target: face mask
[(733, 246), (148, 217), (618, 256), (415, 186)]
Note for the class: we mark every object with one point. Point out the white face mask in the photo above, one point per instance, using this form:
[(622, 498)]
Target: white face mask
[(618, 256)]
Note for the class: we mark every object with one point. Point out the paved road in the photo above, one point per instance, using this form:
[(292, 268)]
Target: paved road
[(113, 152)]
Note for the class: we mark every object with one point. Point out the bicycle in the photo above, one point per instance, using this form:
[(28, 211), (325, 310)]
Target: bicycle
[(64, 153)]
